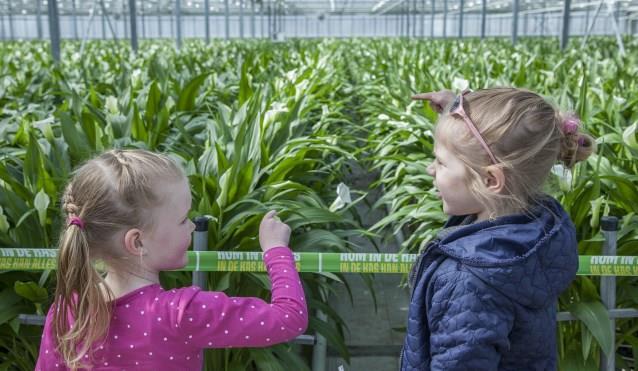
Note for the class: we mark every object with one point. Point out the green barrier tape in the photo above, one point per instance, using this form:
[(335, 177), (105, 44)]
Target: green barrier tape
[(235, 261)]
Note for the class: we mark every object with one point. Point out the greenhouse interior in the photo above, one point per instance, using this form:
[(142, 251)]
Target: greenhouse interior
[(455, 185)]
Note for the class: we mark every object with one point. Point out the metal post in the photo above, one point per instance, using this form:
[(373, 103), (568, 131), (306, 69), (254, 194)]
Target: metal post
[(461, 19), (103, 24), (565, 32), (126, 25), (54, 29), (609, 226), (171, 21), (586, 18), (252, 19), (75, 19), (515, 21), (159, 21), (178, 23), (422, 19), (614, 24), (207, 19), (414, 13), (2, 35), (408, 9), (39, 18), (483, 18), (10, 13), (143, 15), (133, 20), (226, 20), (432, 19), (269, 21), (262, 19), (200, 243), (280, 21), (444, 19), (241, 19)]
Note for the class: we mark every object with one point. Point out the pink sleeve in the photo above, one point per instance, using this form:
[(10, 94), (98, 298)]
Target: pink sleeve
[(213, 320)]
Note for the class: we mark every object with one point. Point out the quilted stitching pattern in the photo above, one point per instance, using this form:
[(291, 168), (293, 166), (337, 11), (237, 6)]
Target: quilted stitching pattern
[(485, 295)]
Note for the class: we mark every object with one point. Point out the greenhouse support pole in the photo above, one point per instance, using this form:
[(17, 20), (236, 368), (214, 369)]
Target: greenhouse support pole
[(159, 22), (178, 23), (226, 20), (207, 19), (321, 346), (614, 24), (54, 29), (252, 19), (241, 19), (586, 20), (432, 19), (564, 38), (74, 12), (415, 10), (268, 20), (2, 35), (143, 19), (10, 16), (280, 21), (108, 20), (515, 7), (87, 32), (200, 243), (39, 19), (133, 20), (124, 14), (444, 19), (422, 19), (609, 226), (103, 25), (406, 14), (483, 17), (461, 6), (262, 19)]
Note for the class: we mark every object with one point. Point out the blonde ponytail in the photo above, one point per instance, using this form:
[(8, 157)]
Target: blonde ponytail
[(79, 297)]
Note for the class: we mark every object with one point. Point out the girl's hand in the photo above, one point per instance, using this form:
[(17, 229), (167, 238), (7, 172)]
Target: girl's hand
[(438, 100), (272, 232)]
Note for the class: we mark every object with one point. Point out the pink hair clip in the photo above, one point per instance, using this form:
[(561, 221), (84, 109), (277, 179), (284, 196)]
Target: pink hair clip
[(74, 220), (571, 123)]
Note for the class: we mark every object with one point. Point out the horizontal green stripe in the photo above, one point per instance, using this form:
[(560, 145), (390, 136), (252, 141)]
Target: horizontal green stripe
[(233, 261)]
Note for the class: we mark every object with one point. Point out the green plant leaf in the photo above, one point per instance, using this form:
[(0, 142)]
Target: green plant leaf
[(593, 315)]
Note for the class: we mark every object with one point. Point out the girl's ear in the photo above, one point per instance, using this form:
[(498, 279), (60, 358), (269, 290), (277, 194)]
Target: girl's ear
[(494, 178), (133, 242)]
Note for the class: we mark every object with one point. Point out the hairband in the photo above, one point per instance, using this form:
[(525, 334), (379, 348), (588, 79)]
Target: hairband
[(74, 220)]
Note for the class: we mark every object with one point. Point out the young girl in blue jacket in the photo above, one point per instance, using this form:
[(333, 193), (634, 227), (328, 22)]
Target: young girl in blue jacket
[(484, 291)]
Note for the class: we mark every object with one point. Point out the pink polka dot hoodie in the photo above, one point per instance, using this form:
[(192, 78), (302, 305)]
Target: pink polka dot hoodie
[(154, 329)]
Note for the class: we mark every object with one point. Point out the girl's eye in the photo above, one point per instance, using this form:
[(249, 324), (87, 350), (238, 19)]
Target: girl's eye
[(184, 221)]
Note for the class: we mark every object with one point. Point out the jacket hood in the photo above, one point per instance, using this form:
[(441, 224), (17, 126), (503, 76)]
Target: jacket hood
[(530, 258)]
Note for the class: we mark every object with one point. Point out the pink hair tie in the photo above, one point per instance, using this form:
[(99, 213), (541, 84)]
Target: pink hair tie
[(74, 220), (571, 124)]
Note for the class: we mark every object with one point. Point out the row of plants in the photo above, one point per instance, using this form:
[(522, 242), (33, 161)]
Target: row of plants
[(256, 126), (261, 125), (595, 82)]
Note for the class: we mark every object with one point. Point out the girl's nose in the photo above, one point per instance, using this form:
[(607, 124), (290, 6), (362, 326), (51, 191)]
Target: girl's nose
[(430, 170)]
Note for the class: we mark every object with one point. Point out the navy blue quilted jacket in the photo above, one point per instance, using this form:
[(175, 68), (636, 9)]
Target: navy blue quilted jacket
[(484, 295)]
